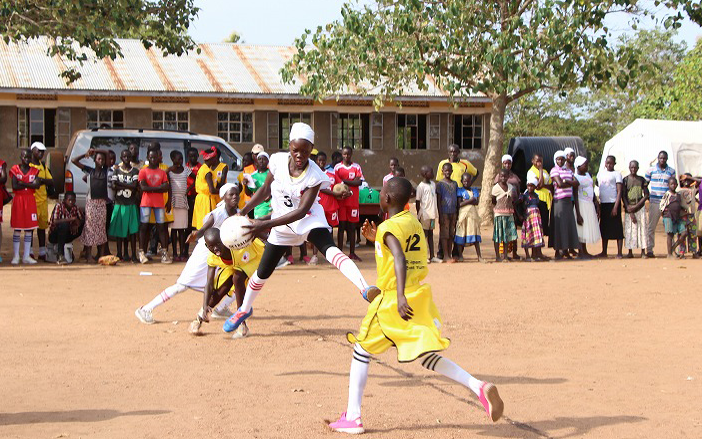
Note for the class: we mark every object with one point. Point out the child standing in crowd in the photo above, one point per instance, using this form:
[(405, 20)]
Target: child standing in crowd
[(41, 195), (585, 208), (66, 225), (194, 166), (110, 206), (532, 232), (427, 210), (210, 178), (634, 196), (178, 204), (393, 165), (564, 233), (259, 177), (4, 195), (504, 230), (248, 166), (468, 223), (153, 182), (543, 190), (24, 206), (610, 183), (124, 223), (328, 199), (350, 174), (673, 213), (447, 195), (687, 193), (95, 230), (695, 183)]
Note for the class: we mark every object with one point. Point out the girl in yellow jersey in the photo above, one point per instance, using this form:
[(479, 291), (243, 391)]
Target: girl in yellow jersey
[(211, 176), (403, 315)]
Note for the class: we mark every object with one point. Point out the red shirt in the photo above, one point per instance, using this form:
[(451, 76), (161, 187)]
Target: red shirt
[(329, 203), (349, 173), (191, 178), (29, 177), (153, 178)]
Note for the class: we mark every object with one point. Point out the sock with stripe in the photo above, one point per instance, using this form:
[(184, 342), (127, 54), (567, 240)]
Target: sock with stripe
[(347, 267), (357, 381), (165, 296), (449, 369), (252, 290), (224, 303), (27, 243), (16, 242)]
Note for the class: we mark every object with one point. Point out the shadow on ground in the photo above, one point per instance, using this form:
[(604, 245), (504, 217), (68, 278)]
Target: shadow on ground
[(22, 418)]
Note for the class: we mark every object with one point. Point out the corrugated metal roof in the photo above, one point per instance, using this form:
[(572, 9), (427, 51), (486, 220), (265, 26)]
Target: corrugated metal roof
[(220, 69)]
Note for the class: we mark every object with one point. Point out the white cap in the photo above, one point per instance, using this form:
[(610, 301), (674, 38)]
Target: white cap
[(257, 149), (223, 190), (533, 181), (558, 154), (506, 158), (579, 161), (301, 130), (38, 145), (569, 151), (263, 154)]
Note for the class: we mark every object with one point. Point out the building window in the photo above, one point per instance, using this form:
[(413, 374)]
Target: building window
[(52, 127), (468, 131), (105, 119), (171, 120), (286, 120), (376, 130), (235, 127), (411, 131), (351, 130)]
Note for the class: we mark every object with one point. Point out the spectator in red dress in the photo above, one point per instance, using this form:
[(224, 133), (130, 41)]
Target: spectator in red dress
[(24, 206)]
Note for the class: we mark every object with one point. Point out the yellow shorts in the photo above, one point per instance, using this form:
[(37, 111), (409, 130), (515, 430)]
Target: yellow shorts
[(383, 328), (43, 215)]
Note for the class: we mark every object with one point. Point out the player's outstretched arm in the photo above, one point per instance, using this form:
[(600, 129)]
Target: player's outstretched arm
[(369, 230), (306, 201), (395, 247), (197, 234), (209, 286), (261, 195)]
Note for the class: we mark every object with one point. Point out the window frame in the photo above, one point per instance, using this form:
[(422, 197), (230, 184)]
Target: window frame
[(49, 136), (177, 121), (476, 142), (99, 123), (420, 125), (340, 122), (229, 134), (290, 118)]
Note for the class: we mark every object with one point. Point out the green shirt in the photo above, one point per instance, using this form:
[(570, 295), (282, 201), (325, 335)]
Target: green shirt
[(264, 208)]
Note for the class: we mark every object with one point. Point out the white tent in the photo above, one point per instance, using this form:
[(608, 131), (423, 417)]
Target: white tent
[(643, 139)]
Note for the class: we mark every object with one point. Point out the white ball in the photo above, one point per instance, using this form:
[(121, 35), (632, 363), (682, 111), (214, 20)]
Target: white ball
[(233, 234)]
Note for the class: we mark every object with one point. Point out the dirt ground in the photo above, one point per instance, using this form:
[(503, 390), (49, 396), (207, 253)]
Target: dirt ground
[(596, 349)]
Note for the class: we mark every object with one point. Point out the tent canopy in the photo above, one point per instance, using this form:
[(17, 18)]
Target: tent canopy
[(643, 139)]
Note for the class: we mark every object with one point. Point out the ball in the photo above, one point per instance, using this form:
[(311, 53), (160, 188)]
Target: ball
[(340, 188), (233, 234)]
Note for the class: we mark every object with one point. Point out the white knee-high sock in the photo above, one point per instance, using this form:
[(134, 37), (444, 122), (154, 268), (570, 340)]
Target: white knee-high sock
[(347, 267), (252, 290), (224, 303), (27, 243), (16, 242), (449, 369), (357, 381), (165, 296)]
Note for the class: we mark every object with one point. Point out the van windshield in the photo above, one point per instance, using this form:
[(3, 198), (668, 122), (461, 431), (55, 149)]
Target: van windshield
[(227, 157)]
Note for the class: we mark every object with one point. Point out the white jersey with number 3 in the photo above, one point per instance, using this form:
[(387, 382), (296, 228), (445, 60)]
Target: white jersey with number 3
[(286, 193)]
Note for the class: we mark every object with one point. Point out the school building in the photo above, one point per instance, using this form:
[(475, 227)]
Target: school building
[(230, 90)]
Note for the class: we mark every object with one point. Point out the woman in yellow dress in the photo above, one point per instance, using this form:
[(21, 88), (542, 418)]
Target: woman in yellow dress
[(210, 178)]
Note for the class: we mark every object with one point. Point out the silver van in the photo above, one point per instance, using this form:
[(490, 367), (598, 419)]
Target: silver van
[(67, 176)]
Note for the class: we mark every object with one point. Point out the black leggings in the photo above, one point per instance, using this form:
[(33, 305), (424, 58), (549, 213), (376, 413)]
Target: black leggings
[(321, 238)]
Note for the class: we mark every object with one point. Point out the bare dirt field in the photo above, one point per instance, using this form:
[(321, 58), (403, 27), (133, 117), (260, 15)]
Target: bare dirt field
[(605, 349)]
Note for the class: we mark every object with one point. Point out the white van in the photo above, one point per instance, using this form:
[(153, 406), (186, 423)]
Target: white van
[(68, 177)]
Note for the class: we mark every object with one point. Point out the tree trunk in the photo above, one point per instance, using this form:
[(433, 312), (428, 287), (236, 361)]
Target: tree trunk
[(492, 156)]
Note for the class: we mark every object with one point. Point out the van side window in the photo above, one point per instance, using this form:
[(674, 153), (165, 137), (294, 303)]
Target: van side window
[(167, 146), (115, 144)]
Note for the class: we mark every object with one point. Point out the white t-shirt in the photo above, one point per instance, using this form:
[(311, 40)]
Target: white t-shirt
[(607, 181), (286, 193), (426, 194), (585, 190)]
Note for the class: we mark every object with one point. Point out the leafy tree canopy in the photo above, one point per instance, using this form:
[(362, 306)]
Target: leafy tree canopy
[(95, 24), (234, 37)]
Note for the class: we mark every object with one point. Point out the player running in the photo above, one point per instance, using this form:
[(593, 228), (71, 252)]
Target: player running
[(194, 275), (293, 183), (404, 314)]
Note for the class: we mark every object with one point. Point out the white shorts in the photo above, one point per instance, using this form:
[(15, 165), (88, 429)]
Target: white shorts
[(194, 275), (296, 233)]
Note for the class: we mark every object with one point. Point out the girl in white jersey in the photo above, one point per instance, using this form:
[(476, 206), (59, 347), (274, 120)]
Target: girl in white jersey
[(194, 275), (293, 184)]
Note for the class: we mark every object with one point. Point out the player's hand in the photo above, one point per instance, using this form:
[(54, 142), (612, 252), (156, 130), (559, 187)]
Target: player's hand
[(406, 312), (369, 230), (633, 218), (580, 220), (192, 237), (614, 212), (257, 228)]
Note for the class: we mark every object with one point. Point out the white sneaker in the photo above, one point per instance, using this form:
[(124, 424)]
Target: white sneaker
[(144, 316), (241, 332), (15, 260), (437, 260), (142, 257), (165, 259), (194, 328), (282, 263), (221, 315), (314, 260), (29, 261)]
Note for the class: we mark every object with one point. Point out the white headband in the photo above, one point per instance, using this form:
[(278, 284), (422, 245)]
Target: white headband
[(558, 154), (301, 130), (533, 181), (263, 154), (223, 190), (506, 158), (579, 161), (569, 151)]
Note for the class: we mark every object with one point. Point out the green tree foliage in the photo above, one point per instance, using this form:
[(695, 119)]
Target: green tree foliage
[(505, 49), (234, 37), (95, 24)]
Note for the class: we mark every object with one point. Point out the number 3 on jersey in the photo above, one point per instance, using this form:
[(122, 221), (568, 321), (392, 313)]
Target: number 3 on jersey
[(288, 201), (412, 243)]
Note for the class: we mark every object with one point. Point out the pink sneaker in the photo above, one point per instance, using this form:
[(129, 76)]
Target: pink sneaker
[(344, 425), (291, 260), (491, 401), (306, 259)]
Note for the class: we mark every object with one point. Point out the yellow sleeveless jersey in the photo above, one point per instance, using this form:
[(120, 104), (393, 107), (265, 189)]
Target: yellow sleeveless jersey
[(245, 260), (407, 229), (201, 186)]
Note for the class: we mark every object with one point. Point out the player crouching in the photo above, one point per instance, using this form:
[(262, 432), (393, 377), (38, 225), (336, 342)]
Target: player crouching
[(227, 272), (403, 314)]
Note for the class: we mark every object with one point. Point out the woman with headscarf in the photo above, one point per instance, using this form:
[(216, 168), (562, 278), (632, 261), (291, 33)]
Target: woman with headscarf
[(515, 182), (564, 233)]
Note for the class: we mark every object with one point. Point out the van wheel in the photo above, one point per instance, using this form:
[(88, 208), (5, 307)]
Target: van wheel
[(56, 162)]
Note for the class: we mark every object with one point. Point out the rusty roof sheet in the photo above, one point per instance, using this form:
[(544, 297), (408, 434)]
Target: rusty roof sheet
[(219, 69)]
